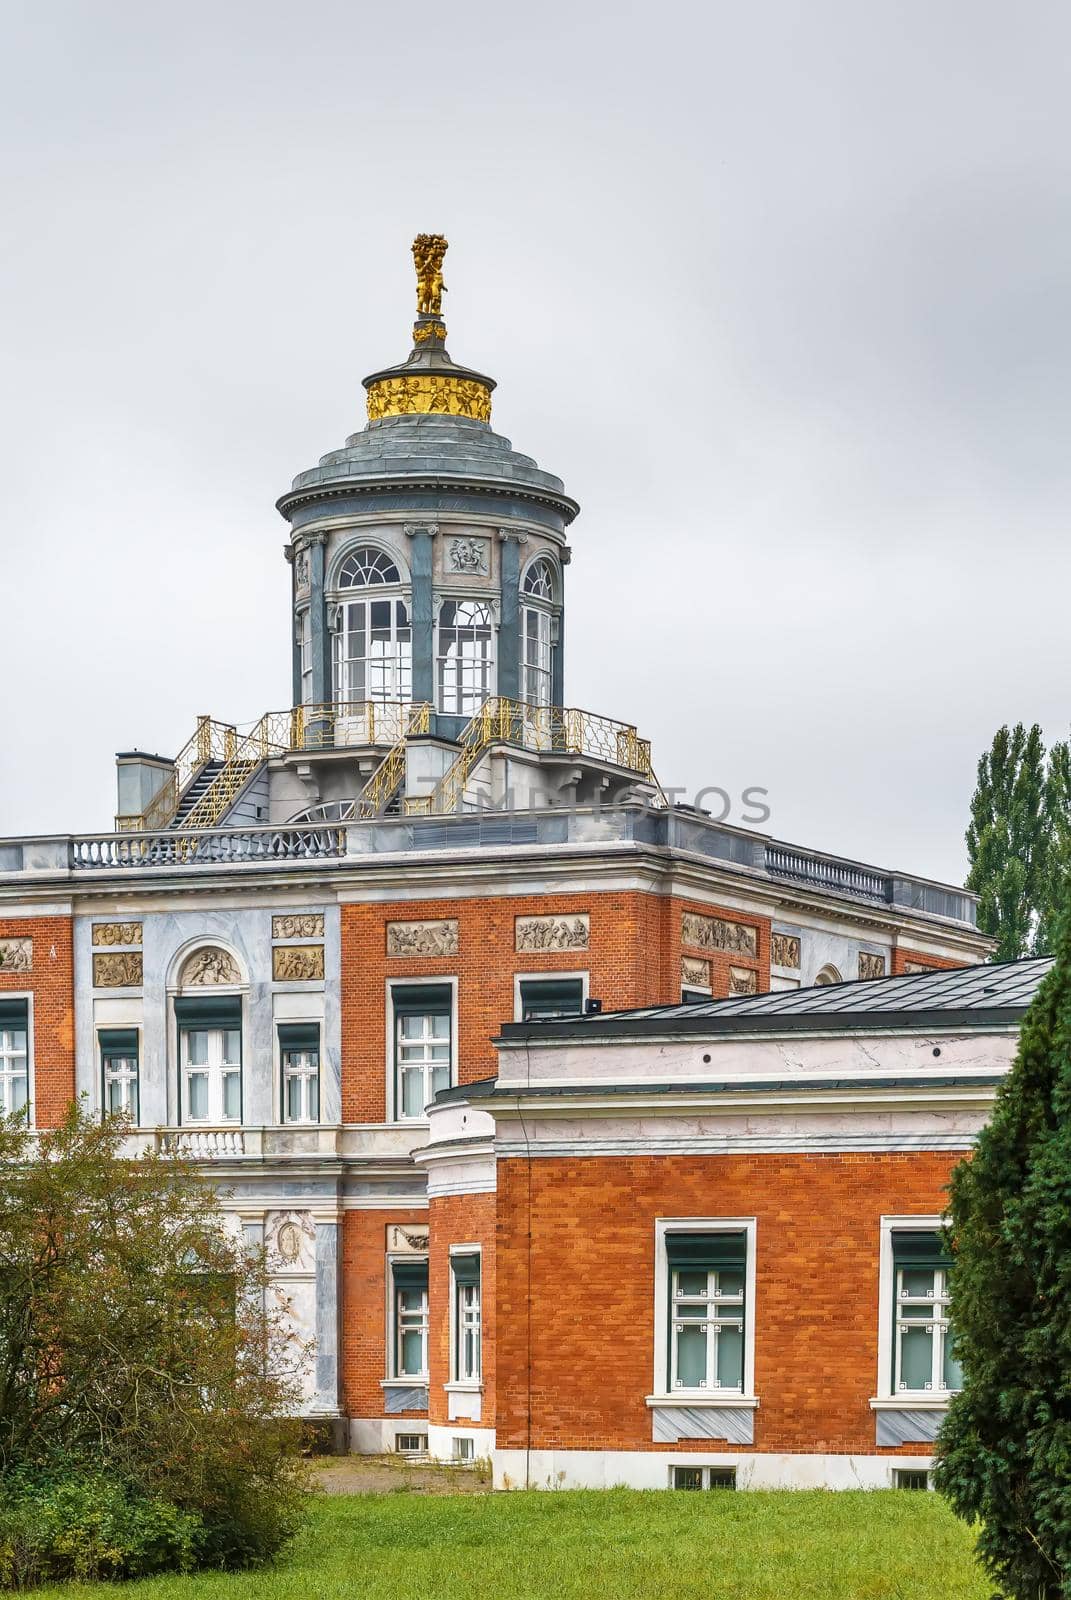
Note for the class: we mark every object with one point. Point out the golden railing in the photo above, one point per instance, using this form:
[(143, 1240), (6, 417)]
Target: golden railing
[(553, 729), (389, 775), (317, 727)]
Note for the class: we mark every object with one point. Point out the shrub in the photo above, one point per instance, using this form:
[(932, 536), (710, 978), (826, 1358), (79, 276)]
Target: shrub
[(54, 1528)]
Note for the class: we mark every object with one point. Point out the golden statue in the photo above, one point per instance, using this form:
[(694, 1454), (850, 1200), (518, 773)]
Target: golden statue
[(428, 252)]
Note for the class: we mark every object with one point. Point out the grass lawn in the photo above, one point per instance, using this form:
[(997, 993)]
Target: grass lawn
[(617, 1545)]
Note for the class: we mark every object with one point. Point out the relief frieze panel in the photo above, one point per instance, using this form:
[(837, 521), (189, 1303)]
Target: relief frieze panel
[(719, 933), (743, 980), (16, 955), (422, 938), (553, 933), (301, 925), (117, 969), (871, 966), (297, 963), (785, 949), (205, 968), (111, 933), (695, 973)]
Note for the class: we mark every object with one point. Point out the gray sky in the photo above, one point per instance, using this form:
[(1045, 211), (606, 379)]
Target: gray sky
[(781, 290)]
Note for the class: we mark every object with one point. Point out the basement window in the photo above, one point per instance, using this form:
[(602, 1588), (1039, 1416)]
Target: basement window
[(464, 1450), (702, 1478), (910, 1478), (411, 1444)]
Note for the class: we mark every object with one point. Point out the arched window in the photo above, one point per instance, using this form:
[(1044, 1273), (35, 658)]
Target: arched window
[(466, 649), (374, 640), (828, 975), (210, 1037), (536, 645), (365, 567)]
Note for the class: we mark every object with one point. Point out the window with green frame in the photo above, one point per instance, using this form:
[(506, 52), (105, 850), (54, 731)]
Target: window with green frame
[(423, 1045), (707, 1277), (119, 1072), (465, 1268), (551, 997), (410, 1336), (923, 1342)]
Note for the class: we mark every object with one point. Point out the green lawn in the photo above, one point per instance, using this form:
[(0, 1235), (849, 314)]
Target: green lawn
[(618, 1545)]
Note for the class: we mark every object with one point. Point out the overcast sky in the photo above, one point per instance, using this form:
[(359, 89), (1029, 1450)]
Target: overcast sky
[(781, 290)]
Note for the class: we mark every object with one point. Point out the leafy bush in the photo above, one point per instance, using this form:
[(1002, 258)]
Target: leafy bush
[(81, 1527)]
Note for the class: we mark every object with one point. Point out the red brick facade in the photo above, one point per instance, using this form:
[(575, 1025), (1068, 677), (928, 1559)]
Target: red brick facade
[(51, 983), (365, 1326), (582, 1383), (455, 1220)]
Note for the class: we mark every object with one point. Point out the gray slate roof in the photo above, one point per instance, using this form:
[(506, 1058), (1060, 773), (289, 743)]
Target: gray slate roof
[(992, 993)]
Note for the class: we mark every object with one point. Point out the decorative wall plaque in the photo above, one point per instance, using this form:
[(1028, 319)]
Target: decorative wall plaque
[(470, 556), (695, 973), (917, 966), (207, 967), (116, 933), (553, 933), (743, 980), (303, 925), (117, 969), (297, 963), (401, 1239), (301, 571), (784, 950), (871, 966), (16, 955), (422, 938), (291, 1235), (718, 933)]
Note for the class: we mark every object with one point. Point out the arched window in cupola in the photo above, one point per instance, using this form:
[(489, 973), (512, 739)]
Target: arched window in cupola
[(466, 654), (373, 638), (538, 594)]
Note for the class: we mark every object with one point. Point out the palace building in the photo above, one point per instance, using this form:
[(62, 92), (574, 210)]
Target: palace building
[(363, 962)]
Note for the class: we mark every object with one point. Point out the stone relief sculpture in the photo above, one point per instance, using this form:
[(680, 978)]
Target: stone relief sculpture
[(785, 949), (400, 1238), (117, 970), (429, 252), (116, 933), (211, 966), (871, 966), (301, 963), (695, 973), (422, 938), (301, 570), (743, 980), (553, 933), (718, 933), (301, 926), (16, 955), (468, 556), (425, 392), (291, 1235)]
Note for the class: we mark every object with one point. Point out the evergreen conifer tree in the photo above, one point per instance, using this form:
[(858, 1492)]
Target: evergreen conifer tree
[(1007, 841), (1004, 1451), (1058, 861)]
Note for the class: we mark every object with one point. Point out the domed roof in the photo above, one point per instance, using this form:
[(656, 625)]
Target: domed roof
[(429, 449), (429, 423)]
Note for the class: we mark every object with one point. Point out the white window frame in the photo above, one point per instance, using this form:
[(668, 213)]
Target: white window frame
[(537, 676), (661, 1393), (471, 698), (126, 1078), (471, 1382), (548, 975), (441, 980), (307, 1076), (396, 665), (886, 1395), (305, 653), (27, 996), (214, 1071), (394, 1343)]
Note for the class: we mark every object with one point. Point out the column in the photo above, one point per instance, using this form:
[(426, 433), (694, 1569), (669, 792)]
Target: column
[(327, 1397), (421, 535), (509, 628)]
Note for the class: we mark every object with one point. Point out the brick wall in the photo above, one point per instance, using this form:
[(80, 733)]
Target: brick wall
[(51, 983), (592, 1277), (461, 1219), (633, 959), (364, 1307), (901, 957)]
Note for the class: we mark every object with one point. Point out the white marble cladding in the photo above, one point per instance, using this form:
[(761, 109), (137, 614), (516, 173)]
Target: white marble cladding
[(732, 1059), (169, 939)]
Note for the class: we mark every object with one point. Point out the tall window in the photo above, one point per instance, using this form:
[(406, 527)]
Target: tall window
[(410, 1340), (467, 1316), (299, 1055), (14, 1055), (374, 641), (119, 1069), (305, 646), (707, 1311), (550, 997), (422, 1045), (536, 645), (923, 1356), (210, 1058), (465, 656)]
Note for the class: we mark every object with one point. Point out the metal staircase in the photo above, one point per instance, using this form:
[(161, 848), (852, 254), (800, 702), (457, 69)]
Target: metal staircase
[(202, 780), (387, 779)]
